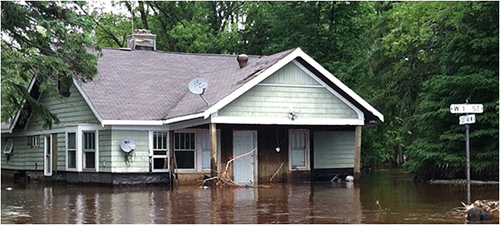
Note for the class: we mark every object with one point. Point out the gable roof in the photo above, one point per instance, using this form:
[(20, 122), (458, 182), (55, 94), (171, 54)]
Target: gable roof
[(150, 87)]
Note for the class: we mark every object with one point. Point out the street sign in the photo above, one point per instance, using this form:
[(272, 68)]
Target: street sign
[(467, 119), (466, 108)]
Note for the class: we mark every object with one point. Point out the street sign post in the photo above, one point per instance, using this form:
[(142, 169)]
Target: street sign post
[(467, 119)]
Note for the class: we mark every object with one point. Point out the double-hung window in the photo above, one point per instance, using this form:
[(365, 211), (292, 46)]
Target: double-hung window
[(71, 150), (185, 150), (299, 149), (160, 152), (89, 150)]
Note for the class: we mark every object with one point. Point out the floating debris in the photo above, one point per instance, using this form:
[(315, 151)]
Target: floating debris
[(490, 206)]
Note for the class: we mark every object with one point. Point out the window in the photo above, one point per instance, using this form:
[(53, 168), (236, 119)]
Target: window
[(33, 141), (89, 150), (160, 151), (185, 150), (71, 150), (9, 145), (299, 149)]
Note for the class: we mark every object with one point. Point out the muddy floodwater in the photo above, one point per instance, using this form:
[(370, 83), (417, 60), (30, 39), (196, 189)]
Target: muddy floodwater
[(379, 197)]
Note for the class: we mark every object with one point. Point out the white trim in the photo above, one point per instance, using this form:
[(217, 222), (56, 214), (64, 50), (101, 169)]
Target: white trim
[(292, 85), (151, 151), (96, 150), (87, 100), (284, 121), (133, 122), (307, 160), (66, 149), (164, 128), (47, 158)]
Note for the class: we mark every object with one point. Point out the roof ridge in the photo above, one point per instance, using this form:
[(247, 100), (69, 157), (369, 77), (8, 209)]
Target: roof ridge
[(199, 54)]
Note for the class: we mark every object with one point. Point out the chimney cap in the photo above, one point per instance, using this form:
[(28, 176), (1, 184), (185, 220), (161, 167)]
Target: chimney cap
[(242, 60)]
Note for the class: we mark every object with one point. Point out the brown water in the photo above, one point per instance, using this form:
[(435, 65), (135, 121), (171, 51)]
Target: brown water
[(380, 197)]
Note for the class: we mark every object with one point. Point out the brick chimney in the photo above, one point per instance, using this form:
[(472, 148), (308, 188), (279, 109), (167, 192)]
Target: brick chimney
[(141, 39)]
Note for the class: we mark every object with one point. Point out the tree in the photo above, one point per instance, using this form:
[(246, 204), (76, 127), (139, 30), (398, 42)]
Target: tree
[(427, 56), (44, 40)]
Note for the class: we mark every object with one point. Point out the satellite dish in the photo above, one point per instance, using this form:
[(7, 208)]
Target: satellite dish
[(197, 85), (127, 145)]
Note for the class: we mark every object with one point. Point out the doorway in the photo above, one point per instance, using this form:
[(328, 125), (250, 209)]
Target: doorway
[(245, 168)]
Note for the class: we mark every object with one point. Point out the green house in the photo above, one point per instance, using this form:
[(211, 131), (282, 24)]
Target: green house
[(139, 121)]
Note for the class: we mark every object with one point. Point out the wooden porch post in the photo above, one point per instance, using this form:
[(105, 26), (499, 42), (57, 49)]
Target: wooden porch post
[(171, 157), (213, 150), (357, 151)]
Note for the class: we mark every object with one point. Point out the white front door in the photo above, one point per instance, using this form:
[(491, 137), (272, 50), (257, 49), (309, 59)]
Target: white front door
[(245, 168), (47, 160)]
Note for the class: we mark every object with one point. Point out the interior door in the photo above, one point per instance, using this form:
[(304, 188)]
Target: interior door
[(47, 160), (244, 168)]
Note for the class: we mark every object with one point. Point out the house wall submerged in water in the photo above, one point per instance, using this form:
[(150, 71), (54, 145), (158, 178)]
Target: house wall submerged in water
[(298, 121)]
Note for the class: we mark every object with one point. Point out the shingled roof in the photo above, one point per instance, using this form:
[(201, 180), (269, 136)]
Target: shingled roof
[(152, 85)]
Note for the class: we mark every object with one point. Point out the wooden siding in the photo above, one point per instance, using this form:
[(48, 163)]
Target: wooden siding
[(290, 87), (105, 146), (23, 157), (140, 157), (70, 110), (333, 149)]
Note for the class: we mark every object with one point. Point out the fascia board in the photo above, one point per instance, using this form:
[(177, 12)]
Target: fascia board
[(132, 122)]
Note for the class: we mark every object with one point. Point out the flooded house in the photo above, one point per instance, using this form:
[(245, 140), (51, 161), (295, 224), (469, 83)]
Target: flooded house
[(149, 117)]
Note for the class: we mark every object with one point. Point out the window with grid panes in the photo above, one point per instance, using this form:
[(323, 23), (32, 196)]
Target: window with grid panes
[(185, 150), (299, 149), (89, 150), (71, 150), (160, 151)]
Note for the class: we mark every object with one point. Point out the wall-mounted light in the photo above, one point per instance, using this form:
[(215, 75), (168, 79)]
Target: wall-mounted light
[(292, 114)]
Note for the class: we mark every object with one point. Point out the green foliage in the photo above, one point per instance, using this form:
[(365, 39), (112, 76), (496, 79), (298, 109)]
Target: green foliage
[(441, 53), (46, 40)]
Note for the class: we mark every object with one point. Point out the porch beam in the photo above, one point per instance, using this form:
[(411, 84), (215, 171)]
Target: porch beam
[(213, 150), (357, 150)]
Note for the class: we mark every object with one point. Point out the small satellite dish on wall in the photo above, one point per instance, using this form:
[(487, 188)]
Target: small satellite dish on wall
[(197, 86), (127, 145)]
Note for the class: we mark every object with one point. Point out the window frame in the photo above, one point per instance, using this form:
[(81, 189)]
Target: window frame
[(307, 160), (152, 151), (196, 167), (75, 150), (95, 150), (79, 130), (199, 150)]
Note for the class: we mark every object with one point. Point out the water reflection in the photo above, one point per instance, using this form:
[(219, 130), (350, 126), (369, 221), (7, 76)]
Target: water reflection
[(399, 201)]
